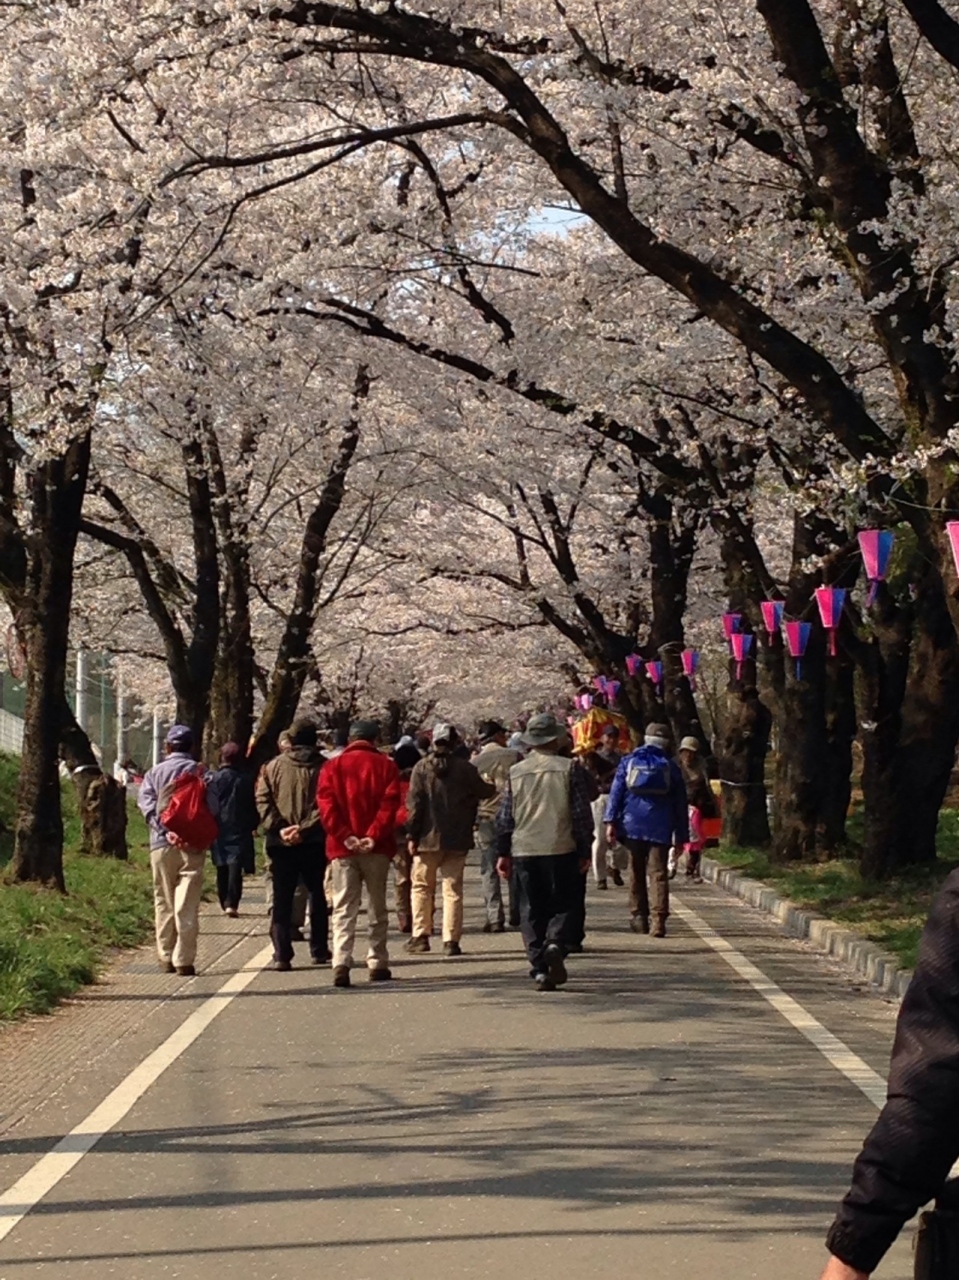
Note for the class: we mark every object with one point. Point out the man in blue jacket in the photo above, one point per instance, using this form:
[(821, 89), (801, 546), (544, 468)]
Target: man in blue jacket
[(647, 812)]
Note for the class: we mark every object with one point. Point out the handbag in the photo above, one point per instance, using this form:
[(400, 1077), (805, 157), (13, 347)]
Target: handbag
[(937, 1238)]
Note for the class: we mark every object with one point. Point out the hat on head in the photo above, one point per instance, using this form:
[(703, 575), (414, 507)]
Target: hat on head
[(516, 742), (364, 730), (444, 732), (303, 733), (180, 737), (690, 744), (406, 756), (542, 729), (490, 729), (610, 732), (657, 735)]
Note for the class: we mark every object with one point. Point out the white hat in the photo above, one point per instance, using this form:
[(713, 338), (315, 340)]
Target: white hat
[(690, 744)]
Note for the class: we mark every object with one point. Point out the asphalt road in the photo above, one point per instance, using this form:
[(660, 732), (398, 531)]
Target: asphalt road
[(656, 1118)]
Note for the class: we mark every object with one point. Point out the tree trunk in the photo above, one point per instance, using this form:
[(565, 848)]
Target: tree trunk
[(742, 749), (102, 800), (910, 693), (57, 489)]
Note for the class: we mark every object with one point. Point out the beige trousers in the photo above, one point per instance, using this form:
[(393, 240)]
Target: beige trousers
[(177, 890), (349, 876), (426, 868)]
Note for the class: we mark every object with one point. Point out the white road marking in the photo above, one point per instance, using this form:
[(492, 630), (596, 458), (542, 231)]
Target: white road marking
[(831, 1047), (39, 1181)]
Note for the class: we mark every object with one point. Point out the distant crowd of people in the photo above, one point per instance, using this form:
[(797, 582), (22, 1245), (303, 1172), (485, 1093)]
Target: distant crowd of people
[(336, 822)]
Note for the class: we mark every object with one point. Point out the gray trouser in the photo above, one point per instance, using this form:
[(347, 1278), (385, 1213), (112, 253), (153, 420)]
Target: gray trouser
[(490, 877)]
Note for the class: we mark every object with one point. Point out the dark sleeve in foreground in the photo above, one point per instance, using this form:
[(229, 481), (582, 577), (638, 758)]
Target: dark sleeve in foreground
[(580, 810), (915, 1141), (505, 825)]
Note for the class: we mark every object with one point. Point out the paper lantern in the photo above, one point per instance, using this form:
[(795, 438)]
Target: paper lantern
[(612, 690), (599, 682), (876, 547), (772, 611), (690, 661), (742, 647), (831, 601), (731, 624), (654, 672), (797, 638), (634, 664)]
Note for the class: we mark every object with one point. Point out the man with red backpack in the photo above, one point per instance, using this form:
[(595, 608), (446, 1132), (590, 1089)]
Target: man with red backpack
[(181, 813)]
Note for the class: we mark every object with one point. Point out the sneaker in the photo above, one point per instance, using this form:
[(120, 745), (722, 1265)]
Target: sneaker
[(555, 968), (602, 884), (186, 970), (659, 929), (341, 976), (638, 924), (231, 912), (452, 949), (282, 966), (544, 982), (618, 878), (380, 975), (167, 966), (416, 946), (321, 957)]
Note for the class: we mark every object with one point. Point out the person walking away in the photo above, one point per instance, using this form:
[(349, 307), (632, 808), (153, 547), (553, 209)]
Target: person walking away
[(701, 804), (177, 867), (300, 897), (233, 851), (445, 793), (405, 757), (545, 834), (493, 763), (616, 858), (358, 797), (295, 842), (647, 810)]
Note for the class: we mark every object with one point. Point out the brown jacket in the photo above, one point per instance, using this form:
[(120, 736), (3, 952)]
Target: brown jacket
[(286, 796), (444, 796)]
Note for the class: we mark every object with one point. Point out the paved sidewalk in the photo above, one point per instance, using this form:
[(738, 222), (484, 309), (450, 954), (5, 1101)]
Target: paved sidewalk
[(655, 1118)]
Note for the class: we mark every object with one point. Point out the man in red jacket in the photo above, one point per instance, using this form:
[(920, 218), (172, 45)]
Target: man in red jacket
[(357, 797)]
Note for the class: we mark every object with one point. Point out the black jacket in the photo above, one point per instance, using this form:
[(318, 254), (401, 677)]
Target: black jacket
[(915, 1141), (238, 818)]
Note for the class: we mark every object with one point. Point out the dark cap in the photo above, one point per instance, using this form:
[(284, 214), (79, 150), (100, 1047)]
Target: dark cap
[(303, 733), (490, 729), (180, 737)]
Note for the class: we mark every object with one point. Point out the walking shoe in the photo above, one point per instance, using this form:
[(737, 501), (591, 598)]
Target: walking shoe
[(186, 970), (659, 929), (321, 957), (602, 884), (618, 878), (696, 878), (341, 976), (231, 912), (499, 927), (167, 966), (555, 968), (638, 924), (452, 949), (417, 945), (380, 975), (488, 927), (282, 966), (575, 949), (404, 924), (544, 982)]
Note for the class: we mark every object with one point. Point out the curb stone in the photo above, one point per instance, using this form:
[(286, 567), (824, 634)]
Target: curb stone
[(868, 960)]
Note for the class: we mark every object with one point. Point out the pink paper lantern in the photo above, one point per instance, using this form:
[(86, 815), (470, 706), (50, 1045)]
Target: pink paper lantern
[(742, 647), (772, 611), (690, 661), (952, 528), (612, 690), (731, 624), (797, 638), (634, 664), (876, 547), (831, 601), (654, 672)]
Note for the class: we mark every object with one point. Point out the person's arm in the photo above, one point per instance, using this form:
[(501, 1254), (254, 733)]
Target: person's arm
[(581, 811), (332, 813), (482, 789), (617, 796), (147, 800), (416, 804), (680, 805), (212, 792), (505, 823), (270, 815), (915, 1142), (384, 824)]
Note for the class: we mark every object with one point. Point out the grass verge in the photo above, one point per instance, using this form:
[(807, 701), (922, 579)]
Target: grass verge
[(891, 913), (50, 944)]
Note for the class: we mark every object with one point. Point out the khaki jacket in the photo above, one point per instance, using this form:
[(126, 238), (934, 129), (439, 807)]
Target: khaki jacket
[(444, 796), (493, 765)]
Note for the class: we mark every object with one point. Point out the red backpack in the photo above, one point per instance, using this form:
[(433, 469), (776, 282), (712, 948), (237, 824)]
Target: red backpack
[(186, 814)]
